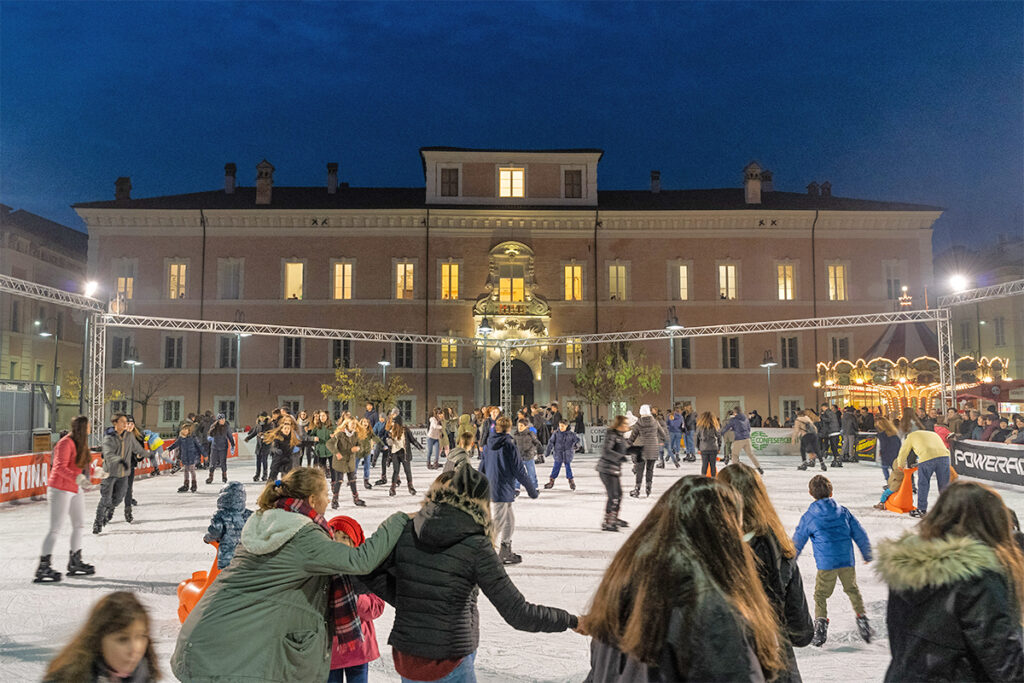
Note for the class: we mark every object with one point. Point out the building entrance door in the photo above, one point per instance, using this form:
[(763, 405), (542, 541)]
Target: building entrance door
[(522, 384)]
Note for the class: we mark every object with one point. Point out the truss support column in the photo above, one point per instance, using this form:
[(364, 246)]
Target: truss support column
[(506, 379), (95, 376), (947, 369)]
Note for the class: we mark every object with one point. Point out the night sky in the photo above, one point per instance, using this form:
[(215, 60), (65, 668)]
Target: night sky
[(915, 101)]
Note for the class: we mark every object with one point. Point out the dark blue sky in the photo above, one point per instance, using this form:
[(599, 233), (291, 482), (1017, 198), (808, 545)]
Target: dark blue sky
[(916, 101)]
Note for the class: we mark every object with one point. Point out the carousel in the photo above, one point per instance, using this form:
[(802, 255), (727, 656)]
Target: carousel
[(901, 369)]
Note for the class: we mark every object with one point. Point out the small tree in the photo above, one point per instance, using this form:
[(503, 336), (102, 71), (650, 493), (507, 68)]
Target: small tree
[(146, 390), (354, 386), (616, 375)]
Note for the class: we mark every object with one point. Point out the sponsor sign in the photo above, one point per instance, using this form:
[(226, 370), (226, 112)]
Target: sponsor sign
[(986, 460), (23, 476), (773, 441), (420, 434)]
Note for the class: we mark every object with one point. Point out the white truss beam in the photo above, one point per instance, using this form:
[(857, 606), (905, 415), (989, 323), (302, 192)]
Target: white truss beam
[(52, 295), (971, 296)]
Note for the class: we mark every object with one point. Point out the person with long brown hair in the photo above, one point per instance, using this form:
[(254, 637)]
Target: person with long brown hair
[(709, 442), (776, 563), (806, 434), (344, 446), (113, 645), (956, 592), (402, 442), (888, 444), (68, 475), (283, 439), (681, 600)]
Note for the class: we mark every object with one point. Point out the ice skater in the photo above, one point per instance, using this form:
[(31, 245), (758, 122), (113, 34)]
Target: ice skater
[(189, 454), (119, 449), (709, 442), (263, 424), (609, 469), (503, 467), (649, 435), (562, 445), (222, 440)]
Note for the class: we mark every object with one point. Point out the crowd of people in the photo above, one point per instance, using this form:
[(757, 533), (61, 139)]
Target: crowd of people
[(706, 588)]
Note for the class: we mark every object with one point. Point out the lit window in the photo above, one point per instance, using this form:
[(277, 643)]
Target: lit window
[(573, 184), (573, 283), (449, 182), (449, 353), (617, 282), (785, 281), (293, 271), (449, 281), (511, 182), (404, 281), (125, 286), (574, 354), (837, 283), (342, 280), (176, 275), (511, 283), (727, 281), (684, 283)]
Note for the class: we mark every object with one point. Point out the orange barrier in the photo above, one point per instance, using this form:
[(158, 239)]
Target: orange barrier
[(903, 500), (23, 476), (191, 590)]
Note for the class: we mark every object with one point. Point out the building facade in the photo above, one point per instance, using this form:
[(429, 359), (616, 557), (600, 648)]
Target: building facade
[(525, 239)]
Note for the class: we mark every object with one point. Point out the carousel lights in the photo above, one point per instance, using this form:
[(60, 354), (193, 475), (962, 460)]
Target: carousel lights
[(816, 384)]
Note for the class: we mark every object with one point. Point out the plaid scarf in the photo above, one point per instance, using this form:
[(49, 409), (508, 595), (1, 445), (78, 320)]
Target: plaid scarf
[(344, 621)]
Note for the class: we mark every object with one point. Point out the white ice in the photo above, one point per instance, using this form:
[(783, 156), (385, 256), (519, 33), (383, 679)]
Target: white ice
[(564, 554)]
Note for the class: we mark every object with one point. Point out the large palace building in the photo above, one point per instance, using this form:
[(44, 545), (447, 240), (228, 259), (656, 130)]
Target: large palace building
[(523, 237)]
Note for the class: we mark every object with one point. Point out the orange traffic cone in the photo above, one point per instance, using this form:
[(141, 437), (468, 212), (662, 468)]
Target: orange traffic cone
[(707, 472), (192, 589), (903, 500), (953, 476)]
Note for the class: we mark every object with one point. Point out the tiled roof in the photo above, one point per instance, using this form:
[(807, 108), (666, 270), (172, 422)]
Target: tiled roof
[(724, 199), (48, 231)]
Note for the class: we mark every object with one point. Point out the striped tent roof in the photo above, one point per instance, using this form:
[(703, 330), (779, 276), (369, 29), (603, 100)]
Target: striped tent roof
[(909, 340)]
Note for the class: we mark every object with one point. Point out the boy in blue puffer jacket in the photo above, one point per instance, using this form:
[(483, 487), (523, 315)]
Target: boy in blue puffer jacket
[(226, 524), (832, 530)]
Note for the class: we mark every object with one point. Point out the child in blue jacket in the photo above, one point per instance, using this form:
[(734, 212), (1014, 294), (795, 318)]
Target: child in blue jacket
[(190, 452), (833, 531), (563, 444), (226, 524)]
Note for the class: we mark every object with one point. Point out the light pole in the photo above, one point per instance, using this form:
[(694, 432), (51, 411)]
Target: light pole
[(672, 325), (769, 363), (56, 345), (556, 363), (238, 373), (383, 363), (132, 360), (484, 330), (90, 290)]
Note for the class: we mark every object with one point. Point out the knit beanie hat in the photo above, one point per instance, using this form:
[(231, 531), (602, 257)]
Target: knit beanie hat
[(468, 482), (349, 527), (645, 410)]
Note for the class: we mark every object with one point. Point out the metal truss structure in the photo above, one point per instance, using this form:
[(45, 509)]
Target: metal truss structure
[(51, 295), (970, 296)]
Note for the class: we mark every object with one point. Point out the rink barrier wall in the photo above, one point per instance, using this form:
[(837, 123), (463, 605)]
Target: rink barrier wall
[(987, 460), (24, 475)]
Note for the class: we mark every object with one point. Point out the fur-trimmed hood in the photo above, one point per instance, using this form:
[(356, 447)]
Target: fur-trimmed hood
[(268, 530), (912, 563), (448, 517)]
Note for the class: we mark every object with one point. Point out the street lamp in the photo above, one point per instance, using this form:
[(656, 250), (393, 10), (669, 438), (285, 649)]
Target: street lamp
[(769, 363), (484, 330), (556, 363), (43, 332), (958, 283), (672, 325), (383, 363), (238, 372), (132, 360)]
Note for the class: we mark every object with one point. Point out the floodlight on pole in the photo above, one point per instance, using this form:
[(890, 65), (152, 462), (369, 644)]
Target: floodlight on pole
[(672, 325), (132, 360), (958, 283), (556, 363), (383, 363), (768, 363), (90, 288), (43, 332)]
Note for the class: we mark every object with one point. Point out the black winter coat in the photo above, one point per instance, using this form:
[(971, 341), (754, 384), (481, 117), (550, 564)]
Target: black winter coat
[(951, 613), (785, 590), (432, 577), (613, 453)]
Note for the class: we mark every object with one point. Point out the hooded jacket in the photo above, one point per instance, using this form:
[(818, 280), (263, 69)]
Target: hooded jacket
[(189, 449), (226, 524), (456, 457), (223, 437), (951, 613), (264, 618), (708, 440), (527, 443), (674, 423), (740, 426), (613, 453), (118, 453), (833, 530), (650, 435), (465, 427), (829, 422), (443, 558), (562, 445), (501, 464), (849, 423)]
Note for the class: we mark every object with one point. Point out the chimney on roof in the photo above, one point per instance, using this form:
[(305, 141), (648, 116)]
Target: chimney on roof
[(826, 189), (812, 189), (332, 177), (655, 182), (766, 182), (123, 188), (230, 170), (752, 183), (264, 181)]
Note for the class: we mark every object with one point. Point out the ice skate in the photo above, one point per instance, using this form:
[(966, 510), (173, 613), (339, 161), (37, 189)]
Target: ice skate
[(820, 632), (804, 465), (621, 523), (381, 481), (648, 491), (391, 491), (128, 517), (76, 566), (224, 477), (193, 487), (866, 632), (918, 513), (366, 484), (609, 523), (507, 556), (359, 502), (879, 506), (334, 502), (183, 489), (412, 491), (760, 471), (550, 484), (256, 478), (45, 573), (635, 493), (209, 479), (660, 465), (836, 462), (572, 485)]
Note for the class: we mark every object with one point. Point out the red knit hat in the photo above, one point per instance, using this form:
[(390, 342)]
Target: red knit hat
[(349, 527)]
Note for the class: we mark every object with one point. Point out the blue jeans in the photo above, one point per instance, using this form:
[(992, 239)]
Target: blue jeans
[(366, 466), (352, 674), (558, 468), (531, 469), (463, 673), (688, 440), (940, 466), (433, 446)]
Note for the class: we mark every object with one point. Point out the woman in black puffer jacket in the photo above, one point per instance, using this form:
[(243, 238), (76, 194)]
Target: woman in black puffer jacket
[(956, 590), (434, 574), (609, 468)]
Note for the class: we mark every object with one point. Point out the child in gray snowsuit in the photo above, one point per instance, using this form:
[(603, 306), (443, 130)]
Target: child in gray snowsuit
[(226, 524)]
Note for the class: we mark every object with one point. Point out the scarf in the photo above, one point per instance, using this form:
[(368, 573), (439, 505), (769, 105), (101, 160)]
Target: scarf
[(341, 605)]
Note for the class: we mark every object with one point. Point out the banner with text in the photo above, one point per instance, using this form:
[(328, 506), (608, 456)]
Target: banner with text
[(987, 460), (23, 476)]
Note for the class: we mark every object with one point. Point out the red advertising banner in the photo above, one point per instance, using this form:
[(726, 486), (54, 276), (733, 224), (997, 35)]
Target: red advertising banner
[(23, 476)]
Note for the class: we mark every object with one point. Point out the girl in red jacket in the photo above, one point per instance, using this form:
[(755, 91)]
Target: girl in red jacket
[(352, 664), (67, 475)]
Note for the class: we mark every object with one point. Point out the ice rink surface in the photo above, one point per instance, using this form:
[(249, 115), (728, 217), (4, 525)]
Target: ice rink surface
[(564, 554)]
